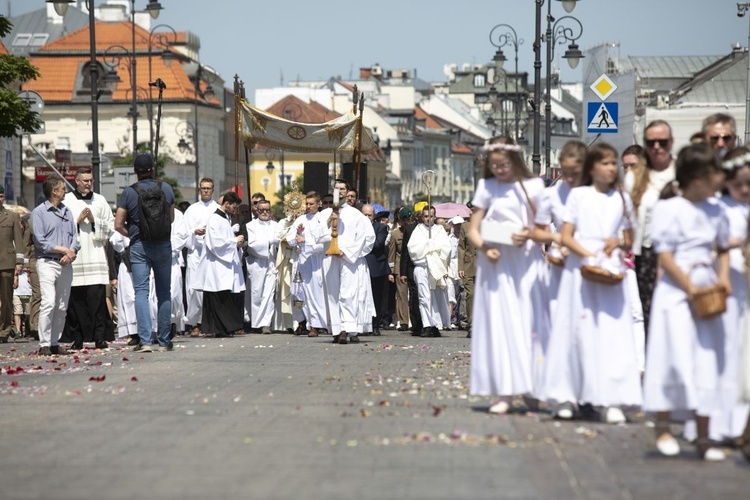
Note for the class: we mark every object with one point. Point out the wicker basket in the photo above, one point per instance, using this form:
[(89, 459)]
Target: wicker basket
[(555, 261), (709, 301), (599, 275)]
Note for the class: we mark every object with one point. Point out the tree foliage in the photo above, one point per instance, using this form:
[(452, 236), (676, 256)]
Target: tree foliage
[(16, 117)]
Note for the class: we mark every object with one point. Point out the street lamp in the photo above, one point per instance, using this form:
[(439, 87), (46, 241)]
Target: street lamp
[(558, 34), (61, 7), (113, 59), (500, 36), (163, 39), (568, 5), (270, 156), (742, 9), (186, 130)]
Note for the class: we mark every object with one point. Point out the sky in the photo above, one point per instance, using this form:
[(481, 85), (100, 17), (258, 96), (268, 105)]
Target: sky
[(266, 42)]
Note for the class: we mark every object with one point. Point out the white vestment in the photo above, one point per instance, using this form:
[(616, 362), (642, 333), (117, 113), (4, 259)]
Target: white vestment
[(221, 266), (309, 264), (196, 216), (430, 254), (349, 304), (262, 244), (90, 267), (179, 239), (283, 318)]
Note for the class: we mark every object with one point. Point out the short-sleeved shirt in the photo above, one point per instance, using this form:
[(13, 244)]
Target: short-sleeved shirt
[(129, 201)]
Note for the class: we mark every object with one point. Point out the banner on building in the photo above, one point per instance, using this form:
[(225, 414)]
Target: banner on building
[(261, 127)]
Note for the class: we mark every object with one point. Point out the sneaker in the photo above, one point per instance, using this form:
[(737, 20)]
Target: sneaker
[(166, 348), (668, 446), (142, 348), (565, 411), (500, 408), (613, 415), (354, 339)]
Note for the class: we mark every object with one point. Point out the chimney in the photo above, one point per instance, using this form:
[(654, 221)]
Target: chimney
[(365, 73)]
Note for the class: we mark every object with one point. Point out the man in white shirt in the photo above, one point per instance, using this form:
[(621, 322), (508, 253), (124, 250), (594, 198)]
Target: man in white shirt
[(429, 249), (262, 245), (196, 217), (346, 277)]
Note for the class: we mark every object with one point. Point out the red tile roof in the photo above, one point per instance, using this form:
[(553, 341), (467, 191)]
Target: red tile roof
[(3, 50), (295, 109), (430, 122), (461, 149), (61, 61)]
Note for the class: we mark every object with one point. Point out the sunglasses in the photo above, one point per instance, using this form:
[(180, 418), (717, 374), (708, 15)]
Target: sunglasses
[(726, 138), (663, 143)]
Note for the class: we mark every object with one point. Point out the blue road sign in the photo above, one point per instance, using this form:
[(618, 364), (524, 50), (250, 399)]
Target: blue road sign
[(602, 118)]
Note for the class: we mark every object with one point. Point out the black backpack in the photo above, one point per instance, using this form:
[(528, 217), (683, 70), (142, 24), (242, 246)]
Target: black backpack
[(153, 213)]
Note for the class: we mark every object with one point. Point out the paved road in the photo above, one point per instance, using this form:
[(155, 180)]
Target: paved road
[(277, 416)]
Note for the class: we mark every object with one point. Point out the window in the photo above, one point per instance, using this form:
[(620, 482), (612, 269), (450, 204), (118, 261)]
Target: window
[(480, 80), (38, 39), (22, 40)]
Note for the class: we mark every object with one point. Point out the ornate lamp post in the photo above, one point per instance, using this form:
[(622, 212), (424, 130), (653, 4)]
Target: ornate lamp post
[(568, 5), (500, 36), (187, 131), (163, 40), (742, 9)]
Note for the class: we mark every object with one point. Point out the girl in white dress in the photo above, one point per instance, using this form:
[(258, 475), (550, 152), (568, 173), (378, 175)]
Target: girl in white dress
[(549, 216), (511, 316), (728, 419), (686, 353), (594, 357)]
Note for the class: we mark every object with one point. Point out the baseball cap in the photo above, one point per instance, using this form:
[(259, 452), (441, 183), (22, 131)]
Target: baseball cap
[(143, 162), (382, 214), (457, 220), (404, 213)]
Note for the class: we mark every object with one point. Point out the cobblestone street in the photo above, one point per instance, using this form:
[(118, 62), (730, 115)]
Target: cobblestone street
[(277, 416)]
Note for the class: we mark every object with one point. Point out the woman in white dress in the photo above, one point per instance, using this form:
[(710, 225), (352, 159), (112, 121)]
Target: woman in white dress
[(686, 353), (511, 317), (594, 357)]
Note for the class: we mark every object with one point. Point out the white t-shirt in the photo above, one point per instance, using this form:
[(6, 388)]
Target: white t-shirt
[(657, 181)]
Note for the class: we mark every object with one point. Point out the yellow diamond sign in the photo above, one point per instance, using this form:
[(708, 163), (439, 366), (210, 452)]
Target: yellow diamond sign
[(603, 87)]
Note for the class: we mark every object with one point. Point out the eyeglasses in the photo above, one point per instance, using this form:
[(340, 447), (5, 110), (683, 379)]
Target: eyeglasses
[(261, 210), (725, 137), (663, 143), (256, 202), (501, 166)]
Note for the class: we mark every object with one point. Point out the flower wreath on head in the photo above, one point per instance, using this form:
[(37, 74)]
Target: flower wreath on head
[(738, 162), (489, 148)]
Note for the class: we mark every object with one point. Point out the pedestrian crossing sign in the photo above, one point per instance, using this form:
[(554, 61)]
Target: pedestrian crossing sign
[(602, 118)]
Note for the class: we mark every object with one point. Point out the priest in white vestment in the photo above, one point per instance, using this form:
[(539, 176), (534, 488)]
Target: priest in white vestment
[(309, 265), (221, 272), (346, 275), (283, 319), (262, 244), (196, 218), (429, 249), (179, 239), (87, 309)]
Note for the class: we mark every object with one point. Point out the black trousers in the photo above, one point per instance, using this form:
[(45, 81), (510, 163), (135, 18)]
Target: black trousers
[(378, 285), (87, 316), (646, 266), (414, 315)]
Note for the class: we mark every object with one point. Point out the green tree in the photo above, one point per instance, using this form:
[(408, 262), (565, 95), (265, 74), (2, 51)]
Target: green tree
[(161, 162), (16, 117)]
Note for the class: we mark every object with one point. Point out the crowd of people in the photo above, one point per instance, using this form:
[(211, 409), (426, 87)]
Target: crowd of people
[(619, 285), (602, 293)]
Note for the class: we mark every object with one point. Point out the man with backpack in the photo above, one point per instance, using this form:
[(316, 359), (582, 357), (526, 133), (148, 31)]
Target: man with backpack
[(145, 214)]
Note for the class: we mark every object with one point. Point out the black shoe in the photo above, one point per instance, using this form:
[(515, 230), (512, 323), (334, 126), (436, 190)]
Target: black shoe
[(101, 344), (44, 351), (402, 328), (56, 349), (134, 340), (426, 332), (435, 332), (376, 333), (354, 339), (468, 335), (76, 346), (4, 340)]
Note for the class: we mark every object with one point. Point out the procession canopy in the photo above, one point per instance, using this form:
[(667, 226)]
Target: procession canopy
[(261, 127)]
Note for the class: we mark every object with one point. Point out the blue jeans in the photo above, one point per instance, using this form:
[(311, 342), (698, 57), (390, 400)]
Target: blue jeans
[(145, 257)]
